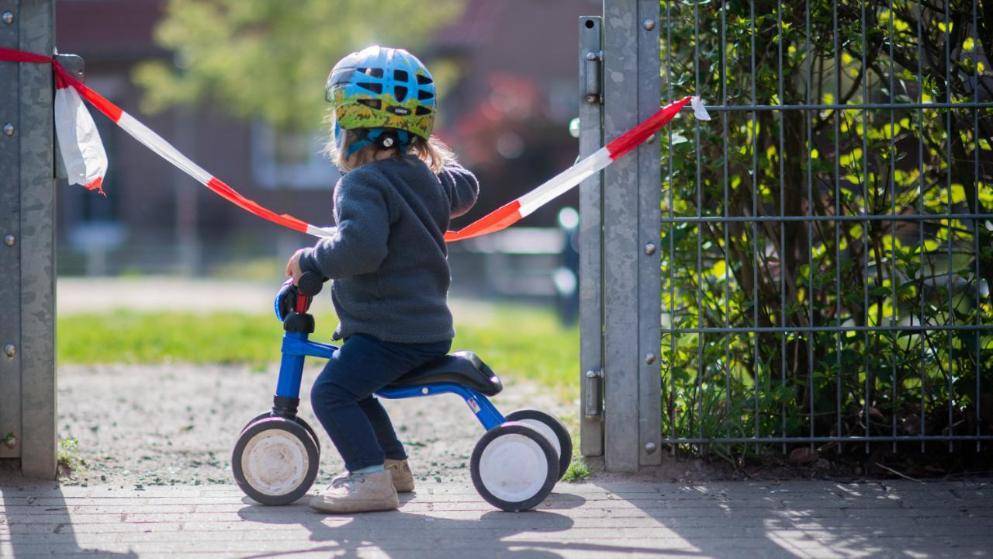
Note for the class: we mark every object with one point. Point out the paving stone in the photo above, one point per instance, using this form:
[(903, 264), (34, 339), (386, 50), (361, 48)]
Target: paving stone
[(595, 519)]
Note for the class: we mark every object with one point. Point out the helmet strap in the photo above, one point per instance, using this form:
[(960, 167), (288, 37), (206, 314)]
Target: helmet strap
[(383, 138), (357, 145)]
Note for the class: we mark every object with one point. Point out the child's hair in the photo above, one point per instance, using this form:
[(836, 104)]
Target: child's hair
[(432, 151)]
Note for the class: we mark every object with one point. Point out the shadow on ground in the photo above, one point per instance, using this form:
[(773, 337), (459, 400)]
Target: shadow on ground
[(40, 525), (811, 519), (401, 534)]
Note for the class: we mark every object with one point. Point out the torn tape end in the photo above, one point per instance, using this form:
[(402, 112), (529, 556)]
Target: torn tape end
[(699, 111)]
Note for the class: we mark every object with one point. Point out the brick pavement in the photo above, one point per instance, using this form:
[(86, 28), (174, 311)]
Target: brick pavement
[(598, 519)]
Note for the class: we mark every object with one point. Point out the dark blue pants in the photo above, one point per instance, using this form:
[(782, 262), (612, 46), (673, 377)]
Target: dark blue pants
[(342, 396)]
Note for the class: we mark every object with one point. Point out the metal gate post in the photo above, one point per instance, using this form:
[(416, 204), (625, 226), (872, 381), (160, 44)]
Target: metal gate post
[(10, 281), (649, 237), (27, 224), (631, 227), (590, 240)]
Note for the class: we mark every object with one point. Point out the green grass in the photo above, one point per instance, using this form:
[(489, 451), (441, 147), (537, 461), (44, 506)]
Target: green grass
[(68, 455), (578, 470), (518, 342)]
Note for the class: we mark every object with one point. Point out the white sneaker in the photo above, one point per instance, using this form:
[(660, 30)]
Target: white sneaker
[(358, 493), (403, 478)]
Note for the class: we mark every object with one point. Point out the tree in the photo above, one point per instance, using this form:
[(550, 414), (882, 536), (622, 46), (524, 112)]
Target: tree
[(269, 59)]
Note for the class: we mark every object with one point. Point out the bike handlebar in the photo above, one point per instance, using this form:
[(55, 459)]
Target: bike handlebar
[(310, 284), (297, 298)]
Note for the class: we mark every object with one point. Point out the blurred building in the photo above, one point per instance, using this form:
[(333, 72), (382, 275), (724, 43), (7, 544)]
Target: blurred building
[(507, 118)]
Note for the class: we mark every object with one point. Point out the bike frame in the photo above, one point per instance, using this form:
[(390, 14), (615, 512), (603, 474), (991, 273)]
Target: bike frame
[(297, 346)]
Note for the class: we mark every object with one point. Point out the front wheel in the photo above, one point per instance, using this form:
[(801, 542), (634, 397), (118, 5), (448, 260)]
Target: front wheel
[(514, 467), (552, 429), (275, 461), (296, 418)]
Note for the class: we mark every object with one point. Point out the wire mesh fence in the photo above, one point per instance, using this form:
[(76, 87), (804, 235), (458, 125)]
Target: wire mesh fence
[(827, 240)]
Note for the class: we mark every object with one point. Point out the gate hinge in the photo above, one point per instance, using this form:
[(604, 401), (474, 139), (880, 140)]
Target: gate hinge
[(593, 401), (594, 77)]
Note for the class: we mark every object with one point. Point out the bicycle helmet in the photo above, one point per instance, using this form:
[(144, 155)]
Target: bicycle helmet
[(383, 94)]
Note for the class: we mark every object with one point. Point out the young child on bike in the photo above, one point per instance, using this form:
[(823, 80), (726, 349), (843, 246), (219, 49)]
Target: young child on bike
[(387, 261)]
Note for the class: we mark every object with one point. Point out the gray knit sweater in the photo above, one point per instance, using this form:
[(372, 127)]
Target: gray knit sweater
[(388, 259)]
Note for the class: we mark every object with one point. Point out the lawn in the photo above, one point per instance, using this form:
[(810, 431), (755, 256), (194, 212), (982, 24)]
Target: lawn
[(518, 342)]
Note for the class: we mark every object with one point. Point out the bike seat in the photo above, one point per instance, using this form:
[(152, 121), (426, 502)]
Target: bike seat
[(461, 367)]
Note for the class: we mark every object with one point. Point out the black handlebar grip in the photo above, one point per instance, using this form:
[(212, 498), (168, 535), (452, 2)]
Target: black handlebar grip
[(310, 284)]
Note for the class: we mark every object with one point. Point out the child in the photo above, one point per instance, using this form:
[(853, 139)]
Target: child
[(387, 260)]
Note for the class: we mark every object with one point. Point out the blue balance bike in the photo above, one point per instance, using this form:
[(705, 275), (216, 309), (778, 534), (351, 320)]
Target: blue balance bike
[(514, 465)]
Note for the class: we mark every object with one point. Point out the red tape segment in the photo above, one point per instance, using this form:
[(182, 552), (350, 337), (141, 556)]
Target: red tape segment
[(499, 219), (637, 135), (12, 55), (110, 110), (224, 191)]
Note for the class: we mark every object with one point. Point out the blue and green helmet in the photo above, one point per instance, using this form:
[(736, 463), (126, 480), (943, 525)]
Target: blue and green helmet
[(380, 87)]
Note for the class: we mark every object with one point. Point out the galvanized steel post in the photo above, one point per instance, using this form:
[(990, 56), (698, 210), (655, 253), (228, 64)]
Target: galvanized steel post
[(27, 263), (591, 240), (631, 223)]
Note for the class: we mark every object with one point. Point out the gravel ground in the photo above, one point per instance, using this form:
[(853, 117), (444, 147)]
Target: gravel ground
[(176, 424)]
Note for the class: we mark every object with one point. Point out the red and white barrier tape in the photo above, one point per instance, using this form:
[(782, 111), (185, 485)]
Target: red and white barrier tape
[(508, 214), (86, 161)]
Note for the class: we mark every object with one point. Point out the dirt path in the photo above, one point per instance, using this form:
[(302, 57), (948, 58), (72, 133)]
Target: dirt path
[(177, 424)]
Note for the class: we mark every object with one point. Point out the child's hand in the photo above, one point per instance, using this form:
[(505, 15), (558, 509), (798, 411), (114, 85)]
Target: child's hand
[(293, 266)]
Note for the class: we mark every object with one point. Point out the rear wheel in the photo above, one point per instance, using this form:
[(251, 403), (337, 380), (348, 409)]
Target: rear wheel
[(275, 461), (552, 429), (513, 467)]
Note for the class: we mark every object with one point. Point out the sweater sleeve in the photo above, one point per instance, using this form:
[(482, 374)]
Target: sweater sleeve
[(461, 186), (359, 245)]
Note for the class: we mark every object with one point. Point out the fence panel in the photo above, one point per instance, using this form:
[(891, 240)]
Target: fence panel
[(826, 240)]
